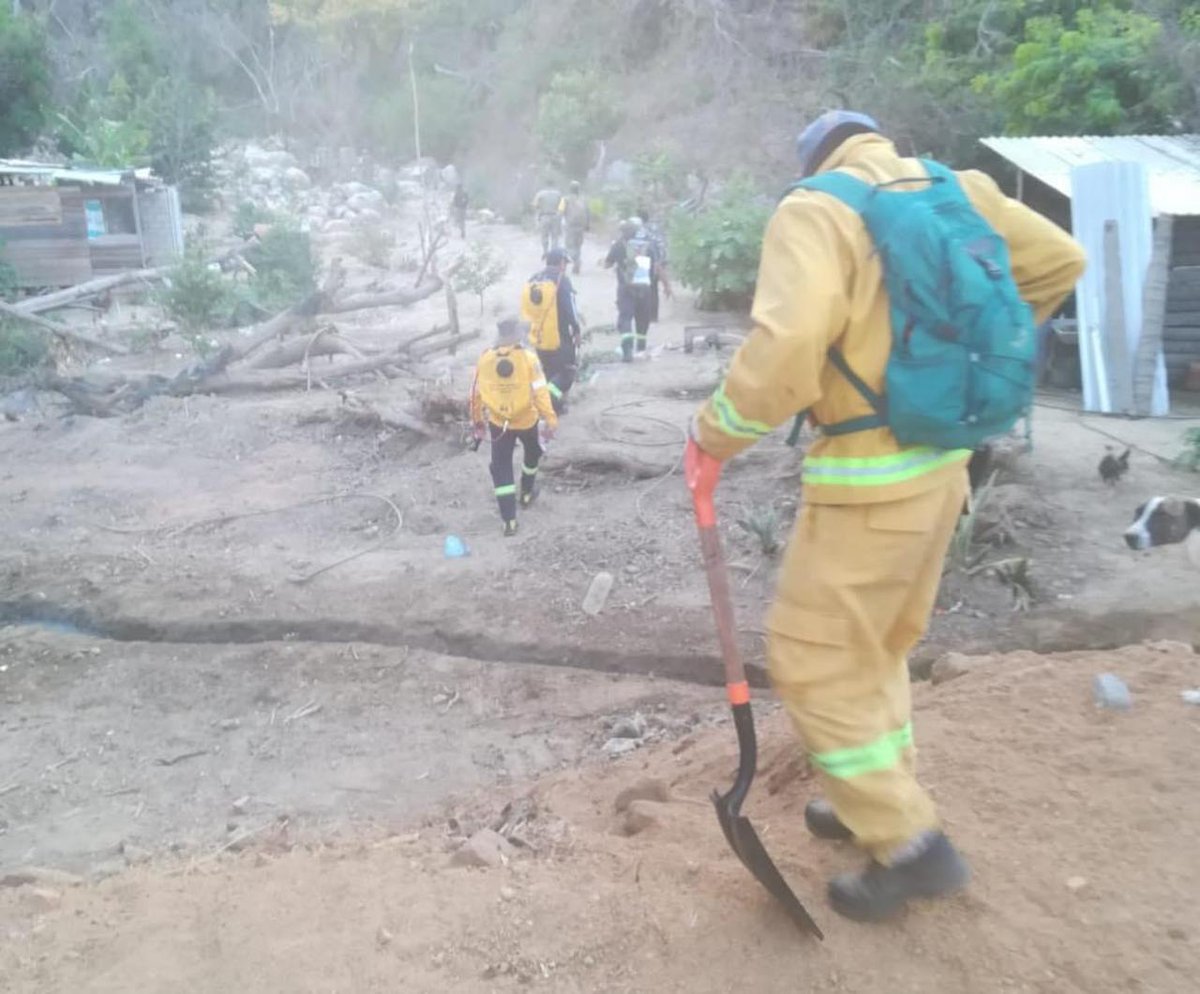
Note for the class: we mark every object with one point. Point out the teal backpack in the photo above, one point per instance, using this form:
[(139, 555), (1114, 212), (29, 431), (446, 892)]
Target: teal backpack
[(964, 345)]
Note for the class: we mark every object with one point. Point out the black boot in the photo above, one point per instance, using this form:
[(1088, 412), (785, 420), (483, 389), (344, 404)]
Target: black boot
[(510, 528), (931, 867), (823, 822)]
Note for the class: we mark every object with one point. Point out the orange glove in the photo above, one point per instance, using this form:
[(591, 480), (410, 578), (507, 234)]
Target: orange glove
[(702, 473)]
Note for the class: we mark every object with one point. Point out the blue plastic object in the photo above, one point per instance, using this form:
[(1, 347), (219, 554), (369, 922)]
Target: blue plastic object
[(455, 547), (1110, 692)]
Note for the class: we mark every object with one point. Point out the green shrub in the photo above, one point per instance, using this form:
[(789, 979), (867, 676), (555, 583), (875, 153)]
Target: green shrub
[(8, 276), (285, 272), (197, 296), (247, 214), (716, 251), (21, 348), (1190, 457)]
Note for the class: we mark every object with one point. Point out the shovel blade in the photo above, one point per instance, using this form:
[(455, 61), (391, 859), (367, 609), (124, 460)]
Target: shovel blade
[(744, 841)]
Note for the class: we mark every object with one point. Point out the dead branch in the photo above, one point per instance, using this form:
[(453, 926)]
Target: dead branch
[(61, 330)]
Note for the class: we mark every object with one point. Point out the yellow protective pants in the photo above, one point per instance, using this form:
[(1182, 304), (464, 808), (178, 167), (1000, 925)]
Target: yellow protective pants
[(855, 595)]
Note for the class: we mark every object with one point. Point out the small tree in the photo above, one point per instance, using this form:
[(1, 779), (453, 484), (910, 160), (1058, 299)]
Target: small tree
[(480, 269), (24, 80), (576, 111)]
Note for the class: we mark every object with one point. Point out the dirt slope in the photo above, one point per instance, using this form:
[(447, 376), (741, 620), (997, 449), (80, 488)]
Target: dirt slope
[(1082, 826)]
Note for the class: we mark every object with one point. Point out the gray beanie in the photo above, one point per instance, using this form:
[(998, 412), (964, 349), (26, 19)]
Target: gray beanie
[(511, 331)]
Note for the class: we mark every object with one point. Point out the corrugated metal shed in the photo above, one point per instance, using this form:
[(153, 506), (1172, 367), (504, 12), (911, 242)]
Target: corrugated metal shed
[(47, 172), (1172, 163)]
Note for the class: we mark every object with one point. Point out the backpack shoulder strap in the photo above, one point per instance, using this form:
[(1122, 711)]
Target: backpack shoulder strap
[(854, 193)]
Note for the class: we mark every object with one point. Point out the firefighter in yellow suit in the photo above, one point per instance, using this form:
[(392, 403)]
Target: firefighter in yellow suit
[(509, 396), (862, 570)]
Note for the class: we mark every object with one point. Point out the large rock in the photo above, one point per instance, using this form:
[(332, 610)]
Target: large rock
[(366, 201), (483, 849), (272, 158), (953, 665), (296, 178), (649, 789)]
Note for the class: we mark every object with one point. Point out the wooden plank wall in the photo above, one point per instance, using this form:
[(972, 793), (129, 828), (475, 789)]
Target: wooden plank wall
[(49, 254), (1181, 331)]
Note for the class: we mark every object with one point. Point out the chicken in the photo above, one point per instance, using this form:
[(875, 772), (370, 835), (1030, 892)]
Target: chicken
[(1112, 468)]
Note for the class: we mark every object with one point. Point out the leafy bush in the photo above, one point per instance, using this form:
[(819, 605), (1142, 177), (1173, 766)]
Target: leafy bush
[(1190, 457), (373, 244), (285, 271), (247, 214), (24, 80), (21, 348), (716, 251), (197, 295), (576, 111), (103, 142), (480, 269), (8, 276), (1093, 73)]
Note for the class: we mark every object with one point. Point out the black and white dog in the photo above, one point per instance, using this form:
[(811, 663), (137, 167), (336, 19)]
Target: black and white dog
[(1163, 521)]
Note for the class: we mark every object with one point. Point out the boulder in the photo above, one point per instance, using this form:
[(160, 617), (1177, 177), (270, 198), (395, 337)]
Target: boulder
[(483, 849)]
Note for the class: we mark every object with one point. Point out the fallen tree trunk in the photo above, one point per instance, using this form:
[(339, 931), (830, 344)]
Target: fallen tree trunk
[(392, 298), (84, 291), (61, 330), (239, 382), (297, 349)]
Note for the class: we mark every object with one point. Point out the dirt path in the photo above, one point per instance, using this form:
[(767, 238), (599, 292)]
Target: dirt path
[(1081, 826), (185, 669)]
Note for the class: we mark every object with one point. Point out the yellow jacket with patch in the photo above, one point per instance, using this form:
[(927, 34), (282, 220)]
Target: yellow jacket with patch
[(820, 282), (515, 401)]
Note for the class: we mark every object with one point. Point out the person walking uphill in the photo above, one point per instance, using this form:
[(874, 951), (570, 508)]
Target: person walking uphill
[(549, 223), (548, 304), (634, 257), (508, 397), (862, 569), (576, 222)]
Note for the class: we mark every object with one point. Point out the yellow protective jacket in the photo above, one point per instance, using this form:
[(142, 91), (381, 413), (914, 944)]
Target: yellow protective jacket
[(515, 401), (820, 282)]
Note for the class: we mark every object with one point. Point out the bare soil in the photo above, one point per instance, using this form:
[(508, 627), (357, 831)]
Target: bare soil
[(1080, 824), (176, 684)]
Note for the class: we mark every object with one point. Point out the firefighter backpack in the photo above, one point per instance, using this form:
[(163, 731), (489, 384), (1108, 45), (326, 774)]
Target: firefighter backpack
[(505, 383), (539, 306)]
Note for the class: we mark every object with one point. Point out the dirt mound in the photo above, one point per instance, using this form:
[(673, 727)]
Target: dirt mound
[(1081, 825)]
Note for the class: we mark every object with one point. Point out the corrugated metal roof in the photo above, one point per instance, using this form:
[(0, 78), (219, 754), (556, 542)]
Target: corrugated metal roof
[(1172, 161), (71, 174)]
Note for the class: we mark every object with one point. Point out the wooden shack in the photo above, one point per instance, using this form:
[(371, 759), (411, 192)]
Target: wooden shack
[(61, 225), (1043, 180)]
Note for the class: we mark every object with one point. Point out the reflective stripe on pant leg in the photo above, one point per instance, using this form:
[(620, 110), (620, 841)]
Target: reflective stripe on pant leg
[(884, 753), (843, 585), (504, 441), (531, 448)]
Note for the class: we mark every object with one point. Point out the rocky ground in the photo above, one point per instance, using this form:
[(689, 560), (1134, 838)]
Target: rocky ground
[(197, 681)]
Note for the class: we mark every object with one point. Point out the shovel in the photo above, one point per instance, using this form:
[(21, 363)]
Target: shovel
[(737, 828)]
